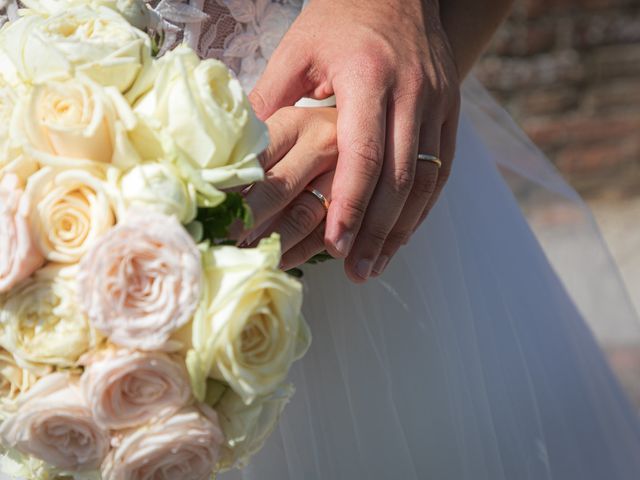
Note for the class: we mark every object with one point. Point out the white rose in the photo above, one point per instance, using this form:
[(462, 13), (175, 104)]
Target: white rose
[(247, 427), (205, 111), (14, 380), (185, 446), (249, 329), (71, 210), (76, 122), (53, 423), (142, 281), (159, 187), (127, 389), (135, 11), (42, 323), (19, 254), (8, 101), (97, 42)]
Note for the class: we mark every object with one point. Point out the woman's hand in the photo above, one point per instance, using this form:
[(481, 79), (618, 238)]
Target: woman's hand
[(303, 153)]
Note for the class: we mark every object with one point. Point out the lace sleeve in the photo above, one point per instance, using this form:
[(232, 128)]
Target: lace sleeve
[(8, 10), (241, 33)]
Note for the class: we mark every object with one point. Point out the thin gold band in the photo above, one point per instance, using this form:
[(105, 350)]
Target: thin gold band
[(424, 157), (318, 194)]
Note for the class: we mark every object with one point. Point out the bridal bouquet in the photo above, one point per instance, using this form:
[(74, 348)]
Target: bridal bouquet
[(135, 343)]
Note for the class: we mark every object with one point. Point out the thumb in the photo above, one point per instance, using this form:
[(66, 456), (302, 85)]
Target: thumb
[(283, 83)]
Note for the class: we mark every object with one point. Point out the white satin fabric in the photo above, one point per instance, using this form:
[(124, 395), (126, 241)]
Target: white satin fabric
[(468, 359)]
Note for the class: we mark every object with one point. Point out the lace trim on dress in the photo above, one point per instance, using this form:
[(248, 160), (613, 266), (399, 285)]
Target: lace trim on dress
[(242, 33)]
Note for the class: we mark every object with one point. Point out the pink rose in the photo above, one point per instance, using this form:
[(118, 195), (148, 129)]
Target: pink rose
[(141, 281), (53, 423), (126, 389), (185, 446), (19, 256)]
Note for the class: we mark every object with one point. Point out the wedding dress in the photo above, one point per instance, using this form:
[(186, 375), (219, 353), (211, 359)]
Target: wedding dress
[(474, 356), (469, 358)]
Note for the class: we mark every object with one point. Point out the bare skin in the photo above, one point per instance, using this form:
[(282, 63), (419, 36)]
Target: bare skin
[(367, 149)]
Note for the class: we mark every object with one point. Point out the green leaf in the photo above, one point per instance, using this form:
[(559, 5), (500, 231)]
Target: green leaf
[(217, 220), (319, 258)]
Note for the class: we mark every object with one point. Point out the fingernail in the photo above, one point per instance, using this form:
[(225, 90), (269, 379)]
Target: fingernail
[(380, 265), (343, 245), (363, 268)]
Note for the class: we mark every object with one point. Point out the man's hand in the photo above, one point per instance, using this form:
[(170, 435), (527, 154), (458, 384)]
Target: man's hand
[(391, 68)]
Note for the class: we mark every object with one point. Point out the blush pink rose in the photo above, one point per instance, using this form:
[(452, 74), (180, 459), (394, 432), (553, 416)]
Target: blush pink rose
[(54, 424), (185, 446), (19, 256), (127, 389), (141, 281)]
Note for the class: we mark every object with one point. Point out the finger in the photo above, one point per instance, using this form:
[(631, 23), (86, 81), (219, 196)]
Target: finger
[(305, 250), (284, 132), (285, 181), (361, 140), (303, 214), (391, 194), (284, 81), (448, 142), (423, 188)]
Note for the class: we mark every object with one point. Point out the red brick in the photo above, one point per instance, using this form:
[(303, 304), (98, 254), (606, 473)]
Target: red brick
[(541, 70), (544, 102), (582, 130), (615, 95), (524, 39), (615, 61), (598, 30), (606, 157)]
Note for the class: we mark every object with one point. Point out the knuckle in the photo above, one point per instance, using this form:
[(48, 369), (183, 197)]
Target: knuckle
[(304, 217), (258, 101), (369, 151), (353, 211), (277, 189), (425, 184), (375, 234), (396, 239), (402, 181)]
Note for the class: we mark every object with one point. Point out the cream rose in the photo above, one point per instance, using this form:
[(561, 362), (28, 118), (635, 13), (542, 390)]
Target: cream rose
[(71, 210), (247, 427), (159, 187), (76, 122), (185, 446), (249, 329), (205, 111), (19, 255), (127, 389), (8, 102), (142, 281), (42, 322), (54, 424), (14, 380), (97, 42), (135, 11)]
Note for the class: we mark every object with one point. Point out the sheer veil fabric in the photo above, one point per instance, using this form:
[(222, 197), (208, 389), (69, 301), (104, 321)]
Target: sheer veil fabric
[(468, 359), (473, 357)]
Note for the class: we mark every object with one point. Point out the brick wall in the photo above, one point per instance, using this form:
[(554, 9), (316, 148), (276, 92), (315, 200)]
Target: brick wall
[(569, 72)]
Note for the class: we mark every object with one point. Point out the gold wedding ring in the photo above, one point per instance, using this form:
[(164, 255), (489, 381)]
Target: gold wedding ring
[(321, 198), (424, 157)]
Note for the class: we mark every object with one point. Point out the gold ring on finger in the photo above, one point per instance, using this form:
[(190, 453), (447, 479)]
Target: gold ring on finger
[(425, 157), (320, 196)]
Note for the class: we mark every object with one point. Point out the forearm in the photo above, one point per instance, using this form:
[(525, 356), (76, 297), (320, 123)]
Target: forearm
[(470, 24)]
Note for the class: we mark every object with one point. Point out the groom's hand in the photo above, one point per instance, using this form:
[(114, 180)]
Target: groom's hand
[(390, 66)]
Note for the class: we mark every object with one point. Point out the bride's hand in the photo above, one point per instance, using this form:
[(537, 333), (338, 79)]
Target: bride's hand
[(302, 153), (390, 66)]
